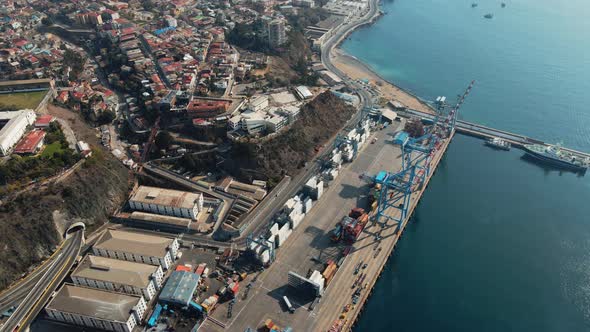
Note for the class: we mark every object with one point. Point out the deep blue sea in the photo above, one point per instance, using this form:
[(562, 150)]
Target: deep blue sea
[(497, 243)]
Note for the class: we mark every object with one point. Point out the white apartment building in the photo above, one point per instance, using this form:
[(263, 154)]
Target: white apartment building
[(253, 122), (276, 123), (169, 202), (277, 35), (96, 308), (13, 126), (136, 247), (119, 276), (258, 103)]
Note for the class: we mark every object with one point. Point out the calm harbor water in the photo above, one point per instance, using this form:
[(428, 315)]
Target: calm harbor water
[(497, 243)]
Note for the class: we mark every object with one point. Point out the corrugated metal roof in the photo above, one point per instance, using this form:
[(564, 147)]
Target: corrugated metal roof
[(179, 288)]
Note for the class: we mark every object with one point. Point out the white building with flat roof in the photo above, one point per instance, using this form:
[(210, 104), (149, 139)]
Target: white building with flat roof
[(13, 126), (97, 309), (253, 122), (258, 103), (276, 123), (169, 202), (119, 276), (137, 247)]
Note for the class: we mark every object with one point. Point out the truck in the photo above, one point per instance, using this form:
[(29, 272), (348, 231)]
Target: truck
[(336, 233), (155, 315), (288, 304)]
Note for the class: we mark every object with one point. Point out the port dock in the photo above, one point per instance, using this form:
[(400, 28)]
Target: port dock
[(476, 130)]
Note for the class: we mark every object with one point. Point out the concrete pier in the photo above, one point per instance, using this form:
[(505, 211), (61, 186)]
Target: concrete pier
[(373, 253), (476, 130)]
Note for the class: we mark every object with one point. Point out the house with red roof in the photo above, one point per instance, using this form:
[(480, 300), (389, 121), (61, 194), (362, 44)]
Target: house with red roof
[(43, 121), (31, 143)]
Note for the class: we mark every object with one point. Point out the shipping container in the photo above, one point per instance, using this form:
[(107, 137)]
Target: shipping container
[(356, 212), (201, 268), (234, 288), (363, 219)]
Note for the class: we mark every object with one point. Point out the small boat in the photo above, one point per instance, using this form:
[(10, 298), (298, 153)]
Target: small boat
[(554, 155), (503, 4), (489, 15), (498, 143), (473, 5)]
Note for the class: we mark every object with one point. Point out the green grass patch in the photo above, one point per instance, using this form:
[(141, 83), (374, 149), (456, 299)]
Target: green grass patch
[(51, 149), (22, 100)]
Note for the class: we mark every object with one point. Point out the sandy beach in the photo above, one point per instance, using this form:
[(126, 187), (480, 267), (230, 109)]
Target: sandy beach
[(356, 69)]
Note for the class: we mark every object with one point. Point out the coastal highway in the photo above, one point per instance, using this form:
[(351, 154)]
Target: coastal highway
[(14, 295), (337, 36), (42, 290)]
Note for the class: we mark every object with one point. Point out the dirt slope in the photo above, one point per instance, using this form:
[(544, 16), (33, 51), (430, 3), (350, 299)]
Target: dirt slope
[(319, 120)]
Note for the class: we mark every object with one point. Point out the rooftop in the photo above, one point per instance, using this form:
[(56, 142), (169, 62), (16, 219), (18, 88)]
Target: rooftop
[(29, 143), (136, 243), (116, 271), (157, 218), (167, 197), (43, 120), (180, 287), (94, 303), (21, 82)]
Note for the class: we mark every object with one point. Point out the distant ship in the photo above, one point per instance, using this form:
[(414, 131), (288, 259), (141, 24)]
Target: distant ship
[(503, 4), (488, 15), (554, 155), (498, 143), (473, 5)]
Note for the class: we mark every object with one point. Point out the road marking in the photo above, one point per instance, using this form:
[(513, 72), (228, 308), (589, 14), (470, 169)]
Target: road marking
[(35, 270), (51, 285)]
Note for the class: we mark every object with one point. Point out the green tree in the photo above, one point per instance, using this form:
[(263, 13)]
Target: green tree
[(106, 117)]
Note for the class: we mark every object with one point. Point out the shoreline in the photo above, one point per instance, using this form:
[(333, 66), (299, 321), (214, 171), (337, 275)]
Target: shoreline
[(353, 66), (356, 69)]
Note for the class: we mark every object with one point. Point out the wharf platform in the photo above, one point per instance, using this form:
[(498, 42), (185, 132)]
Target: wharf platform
[(479, 131), (311, 241), (371, 252)]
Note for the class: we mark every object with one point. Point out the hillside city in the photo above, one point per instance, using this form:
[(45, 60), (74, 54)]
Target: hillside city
[(193, 165)]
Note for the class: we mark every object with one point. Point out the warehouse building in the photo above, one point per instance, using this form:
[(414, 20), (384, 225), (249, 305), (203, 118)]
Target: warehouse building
[(135, 247), (169, 202), (119, 276), (179, 288), (96, 308), (13, 126)]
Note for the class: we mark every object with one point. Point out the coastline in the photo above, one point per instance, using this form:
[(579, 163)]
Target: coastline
[(355, 69)]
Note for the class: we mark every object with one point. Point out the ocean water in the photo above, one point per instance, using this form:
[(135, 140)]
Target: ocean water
[(531, 62), (497, 243)]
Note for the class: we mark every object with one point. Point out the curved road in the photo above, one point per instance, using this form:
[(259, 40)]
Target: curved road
[(265, 212), (337, 37), (47, 283)]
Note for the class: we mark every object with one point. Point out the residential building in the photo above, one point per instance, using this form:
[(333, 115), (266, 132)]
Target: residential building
[(276, 123), (304, 3), (169, 202), (276, 33), (43, 121), (303, 92), (31, 143), (258, 103), (253, 122), (119, 276), (96, 308), (14, 125), (136, 247)]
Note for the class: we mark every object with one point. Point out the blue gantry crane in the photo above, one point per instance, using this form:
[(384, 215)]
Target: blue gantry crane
[(417, 154)]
